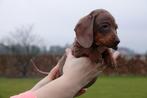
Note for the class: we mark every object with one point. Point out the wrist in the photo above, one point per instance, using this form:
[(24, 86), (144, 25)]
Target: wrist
[(72, 82)]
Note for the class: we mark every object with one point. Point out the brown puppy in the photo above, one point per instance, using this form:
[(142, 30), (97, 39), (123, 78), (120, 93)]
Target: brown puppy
[(95, 35)]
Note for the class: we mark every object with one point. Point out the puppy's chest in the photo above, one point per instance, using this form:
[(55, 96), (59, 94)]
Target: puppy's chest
[(94, 53)]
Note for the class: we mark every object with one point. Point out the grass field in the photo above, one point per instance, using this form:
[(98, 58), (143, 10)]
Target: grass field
[(105, 87)]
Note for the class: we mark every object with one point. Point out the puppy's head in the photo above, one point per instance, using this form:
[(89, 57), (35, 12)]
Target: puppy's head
[(98, 27)]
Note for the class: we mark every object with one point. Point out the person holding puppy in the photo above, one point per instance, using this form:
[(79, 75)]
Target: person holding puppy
[(77, 72)]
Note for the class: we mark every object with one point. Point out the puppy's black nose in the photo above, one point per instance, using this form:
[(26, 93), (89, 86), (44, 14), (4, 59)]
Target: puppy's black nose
[(116, 42), (115, 47)]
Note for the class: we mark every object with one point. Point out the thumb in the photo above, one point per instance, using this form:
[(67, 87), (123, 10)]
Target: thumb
[(54, 73)]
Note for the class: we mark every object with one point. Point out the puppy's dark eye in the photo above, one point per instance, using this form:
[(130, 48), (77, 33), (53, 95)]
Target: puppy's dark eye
[(104, 28)]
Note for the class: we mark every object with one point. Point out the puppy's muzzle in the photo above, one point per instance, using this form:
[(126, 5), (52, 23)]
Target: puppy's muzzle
[(115, 45)]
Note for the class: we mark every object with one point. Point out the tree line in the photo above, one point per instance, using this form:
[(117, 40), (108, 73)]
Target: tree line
[(23, 45)]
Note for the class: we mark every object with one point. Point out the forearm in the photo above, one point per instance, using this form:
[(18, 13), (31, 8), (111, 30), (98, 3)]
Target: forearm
[(62, 87), (54, 73), (41, 83)]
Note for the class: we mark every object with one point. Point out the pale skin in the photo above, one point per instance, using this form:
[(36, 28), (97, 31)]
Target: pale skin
[(77, 72)]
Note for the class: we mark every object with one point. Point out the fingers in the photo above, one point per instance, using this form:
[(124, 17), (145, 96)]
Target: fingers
[(115, 55), (82, 91), (54, 73), (100, 67), (98, 73)]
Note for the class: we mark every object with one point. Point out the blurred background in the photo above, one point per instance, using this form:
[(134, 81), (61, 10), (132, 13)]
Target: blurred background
[(42, 29)]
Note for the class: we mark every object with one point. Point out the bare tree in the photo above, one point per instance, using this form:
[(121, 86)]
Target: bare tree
[(24, 38), (24, 44)]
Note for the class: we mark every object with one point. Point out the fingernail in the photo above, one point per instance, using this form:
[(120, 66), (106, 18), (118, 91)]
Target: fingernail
[(58, 74)]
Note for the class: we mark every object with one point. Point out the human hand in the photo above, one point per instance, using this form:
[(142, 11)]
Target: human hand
[(53, 74), (101, 68), (80, 70)]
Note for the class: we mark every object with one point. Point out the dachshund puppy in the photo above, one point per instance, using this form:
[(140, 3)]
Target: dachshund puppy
[(96, 33)]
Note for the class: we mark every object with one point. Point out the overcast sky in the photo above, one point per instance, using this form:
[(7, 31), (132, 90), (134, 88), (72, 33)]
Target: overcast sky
[(54, 20)]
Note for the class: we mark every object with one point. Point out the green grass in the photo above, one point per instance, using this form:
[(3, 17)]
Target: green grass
[(105, 87), (9, 87), (118, 87)]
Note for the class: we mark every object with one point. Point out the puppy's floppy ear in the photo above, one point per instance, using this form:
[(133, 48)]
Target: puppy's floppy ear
[(84, 31)]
